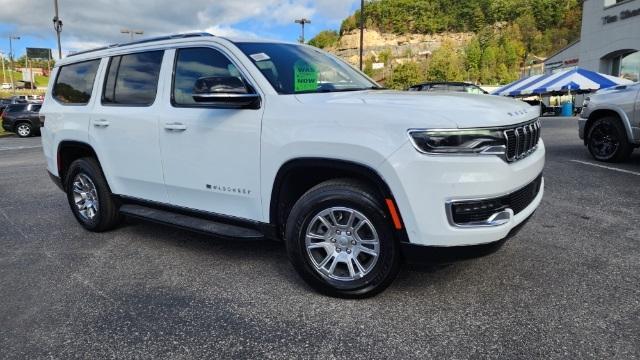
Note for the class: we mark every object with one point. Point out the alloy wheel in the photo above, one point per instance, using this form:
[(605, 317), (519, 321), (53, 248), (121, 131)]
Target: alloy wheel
[(342, 244), (85, 197), (604, 140), (24, 130)]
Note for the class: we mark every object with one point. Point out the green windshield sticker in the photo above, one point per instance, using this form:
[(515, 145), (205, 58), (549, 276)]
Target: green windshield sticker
[(305, 76)]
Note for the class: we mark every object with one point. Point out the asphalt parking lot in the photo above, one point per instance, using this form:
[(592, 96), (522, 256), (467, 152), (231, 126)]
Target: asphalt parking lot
[(567, 286)]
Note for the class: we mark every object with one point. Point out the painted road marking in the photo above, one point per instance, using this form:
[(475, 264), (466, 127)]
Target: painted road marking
[(19, 148), (607, 167)]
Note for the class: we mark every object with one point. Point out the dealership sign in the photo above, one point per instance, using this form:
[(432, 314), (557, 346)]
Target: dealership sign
[(624, 15)]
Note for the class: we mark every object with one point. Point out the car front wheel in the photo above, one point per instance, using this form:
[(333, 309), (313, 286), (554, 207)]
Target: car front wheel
[(340, 241), (607, 140)]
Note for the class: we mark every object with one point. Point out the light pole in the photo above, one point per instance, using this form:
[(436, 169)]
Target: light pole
[(131, 32), (302, 22), (11, 38), (57, 25), (361, 32), (4, 74)]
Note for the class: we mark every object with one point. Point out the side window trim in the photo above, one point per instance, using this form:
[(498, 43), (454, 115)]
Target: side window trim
[(243, 73), (95, 78), (106, 75)]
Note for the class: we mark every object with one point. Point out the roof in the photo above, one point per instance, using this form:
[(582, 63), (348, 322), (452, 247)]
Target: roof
[(550, 57), (143, 41), (107, 50)]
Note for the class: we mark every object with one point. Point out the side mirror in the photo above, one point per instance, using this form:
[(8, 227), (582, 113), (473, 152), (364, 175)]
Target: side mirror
[(227, 92)]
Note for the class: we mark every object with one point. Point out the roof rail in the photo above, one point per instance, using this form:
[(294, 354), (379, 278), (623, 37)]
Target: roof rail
[(143, 41)]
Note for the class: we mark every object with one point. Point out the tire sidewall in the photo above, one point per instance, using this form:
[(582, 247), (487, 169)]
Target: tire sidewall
[(84, 167), (388, 258)]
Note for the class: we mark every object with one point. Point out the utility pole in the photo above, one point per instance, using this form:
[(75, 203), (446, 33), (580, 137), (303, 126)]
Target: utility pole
[(131, 32), (302, 22), (4, 74), (361, 32), (57, 25), (11, 37)]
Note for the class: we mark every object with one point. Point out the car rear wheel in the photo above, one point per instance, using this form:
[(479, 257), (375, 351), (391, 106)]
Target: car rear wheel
[(339, 239), (24, 130), (89, 196), (607, 140)]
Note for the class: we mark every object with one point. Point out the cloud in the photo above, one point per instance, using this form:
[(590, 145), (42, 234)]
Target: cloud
[(98, 22)]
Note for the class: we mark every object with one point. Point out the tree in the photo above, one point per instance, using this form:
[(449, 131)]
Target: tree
[(446, 64), (324, 39), (405, 75)]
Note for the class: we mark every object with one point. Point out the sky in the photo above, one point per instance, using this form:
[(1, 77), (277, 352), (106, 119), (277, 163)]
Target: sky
[(93, 23)]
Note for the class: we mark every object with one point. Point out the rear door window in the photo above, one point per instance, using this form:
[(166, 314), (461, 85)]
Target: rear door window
[(74, 83), (132, 80), (16, 108)]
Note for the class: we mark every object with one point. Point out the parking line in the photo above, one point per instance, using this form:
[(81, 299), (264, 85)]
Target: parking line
[(19, 148), (607, 167)]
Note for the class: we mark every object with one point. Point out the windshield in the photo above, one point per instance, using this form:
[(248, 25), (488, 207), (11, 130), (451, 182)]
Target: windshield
[(295, 69)]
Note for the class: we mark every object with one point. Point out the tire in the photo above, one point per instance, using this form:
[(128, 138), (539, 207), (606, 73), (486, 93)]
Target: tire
[(607, 140), (342, 244), (86, 176), (24, 130)]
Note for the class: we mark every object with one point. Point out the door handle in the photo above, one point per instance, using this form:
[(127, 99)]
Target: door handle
[(177, 127), (101, 123)]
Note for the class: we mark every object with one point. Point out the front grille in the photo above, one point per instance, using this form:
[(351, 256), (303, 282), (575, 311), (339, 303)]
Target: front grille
[(522, 140), (474, 211)]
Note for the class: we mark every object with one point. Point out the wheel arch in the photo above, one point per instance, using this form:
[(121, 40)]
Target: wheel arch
[(294, 176), (604, 112), (69, 151)]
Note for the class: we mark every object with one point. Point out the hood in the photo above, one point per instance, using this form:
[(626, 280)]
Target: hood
[(464, 110)]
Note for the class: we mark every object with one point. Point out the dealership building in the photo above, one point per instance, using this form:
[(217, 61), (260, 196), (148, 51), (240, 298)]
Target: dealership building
[(609, 41)]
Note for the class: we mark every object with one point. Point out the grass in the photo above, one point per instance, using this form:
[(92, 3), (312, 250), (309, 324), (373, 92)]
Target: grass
[(40, 81)]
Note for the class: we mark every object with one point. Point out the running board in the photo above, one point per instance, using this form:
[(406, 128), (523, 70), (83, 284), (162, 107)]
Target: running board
[(190, 223)]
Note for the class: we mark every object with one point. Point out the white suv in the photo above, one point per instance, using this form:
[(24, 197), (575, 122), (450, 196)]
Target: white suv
[(253, 139)]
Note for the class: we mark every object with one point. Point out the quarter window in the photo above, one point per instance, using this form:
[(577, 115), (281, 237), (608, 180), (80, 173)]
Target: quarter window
[(132, 79), (74, 83), (195, 63)]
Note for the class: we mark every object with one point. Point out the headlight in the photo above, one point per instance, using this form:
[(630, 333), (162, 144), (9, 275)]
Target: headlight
[(586, 101), (472, 141)]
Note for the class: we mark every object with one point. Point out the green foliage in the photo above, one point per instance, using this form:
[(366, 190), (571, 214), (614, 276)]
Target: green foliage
[(428, 16), (405, 75), (507, 34), (324, 39), (446, 64)]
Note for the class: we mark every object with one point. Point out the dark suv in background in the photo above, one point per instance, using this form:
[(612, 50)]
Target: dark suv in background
[(22, 119)]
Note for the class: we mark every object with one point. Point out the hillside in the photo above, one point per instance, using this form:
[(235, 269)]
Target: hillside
[(483, 41)]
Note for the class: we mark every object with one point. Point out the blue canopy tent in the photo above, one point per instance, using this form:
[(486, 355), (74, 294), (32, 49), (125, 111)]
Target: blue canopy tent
[(576, 80)]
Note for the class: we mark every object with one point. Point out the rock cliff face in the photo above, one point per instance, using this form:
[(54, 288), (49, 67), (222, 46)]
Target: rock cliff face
[(402, 47)]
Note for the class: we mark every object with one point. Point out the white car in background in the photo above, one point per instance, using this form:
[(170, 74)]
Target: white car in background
[(256, 139)]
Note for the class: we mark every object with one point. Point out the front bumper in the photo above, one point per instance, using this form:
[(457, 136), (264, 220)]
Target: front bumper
[(423, 185), (581, 125), (421, 255)]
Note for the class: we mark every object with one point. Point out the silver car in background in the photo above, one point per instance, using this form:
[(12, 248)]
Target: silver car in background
[(610, 123)]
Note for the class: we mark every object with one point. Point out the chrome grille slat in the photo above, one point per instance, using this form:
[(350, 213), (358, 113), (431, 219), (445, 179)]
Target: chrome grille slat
[(522, 140)]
